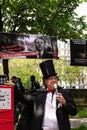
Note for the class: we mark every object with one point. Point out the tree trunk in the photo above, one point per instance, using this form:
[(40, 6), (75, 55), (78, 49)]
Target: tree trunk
[(5, 67), (5, 61), (1, 23)]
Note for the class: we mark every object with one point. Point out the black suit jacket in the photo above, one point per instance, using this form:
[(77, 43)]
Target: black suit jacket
[(36, 106), (46, 54)]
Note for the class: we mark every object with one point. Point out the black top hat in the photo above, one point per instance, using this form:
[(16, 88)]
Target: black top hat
[(47, 69)]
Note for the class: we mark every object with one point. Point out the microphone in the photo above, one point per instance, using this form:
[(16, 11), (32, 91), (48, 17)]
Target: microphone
[(55, 86)]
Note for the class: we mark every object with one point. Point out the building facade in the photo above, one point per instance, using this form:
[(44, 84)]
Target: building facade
[(64, 54)]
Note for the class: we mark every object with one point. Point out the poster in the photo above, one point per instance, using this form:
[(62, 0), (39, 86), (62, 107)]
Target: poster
[(78, 49), (5, 98), (27, 46)]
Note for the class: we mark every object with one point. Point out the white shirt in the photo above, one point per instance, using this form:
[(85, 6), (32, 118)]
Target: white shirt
[(50, 119)]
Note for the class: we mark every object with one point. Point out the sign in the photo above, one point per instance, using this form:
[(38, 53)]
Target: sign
[(5, 98), (27, 46), (78, 49), (6, 107)]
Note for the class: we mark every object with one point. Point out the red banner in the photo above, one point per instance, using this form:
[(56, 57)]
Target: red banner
[(27, 46)]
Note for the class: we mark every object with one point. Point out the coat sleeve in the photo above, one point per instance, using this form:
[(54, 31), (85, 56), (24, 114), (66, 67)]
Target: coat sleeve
[(70, 106)]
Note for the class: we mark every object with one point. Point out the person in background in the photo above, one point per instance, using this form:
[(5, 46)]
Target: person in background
[(49, 109), (34, 84), (20, 85), (18, 90)]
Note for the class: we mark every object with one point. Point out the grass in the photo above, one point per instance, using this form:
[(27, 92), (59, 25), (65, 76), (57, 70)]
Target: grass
[(82, 113), (82, 127)]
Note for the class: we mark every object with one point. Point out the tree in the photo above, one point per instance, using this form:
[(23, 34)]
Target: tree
[(25, 68), (49, 17), (67, 73)]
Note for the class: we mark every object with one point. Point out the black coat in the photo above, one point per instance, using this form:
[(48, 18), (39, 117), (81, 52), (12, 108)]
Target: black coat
[(45, 55), (34, 111)]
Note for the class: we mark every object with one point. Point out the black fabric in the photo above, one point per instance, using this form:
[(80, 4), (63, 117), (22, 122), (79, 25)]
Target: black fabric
[(35, 111), (47, 68), (35, 85)]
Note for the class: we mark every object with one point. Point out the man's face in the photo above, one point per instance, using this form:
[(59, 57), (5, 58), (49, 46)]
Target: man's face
[(51, 81), (39, 44), (14, 80)]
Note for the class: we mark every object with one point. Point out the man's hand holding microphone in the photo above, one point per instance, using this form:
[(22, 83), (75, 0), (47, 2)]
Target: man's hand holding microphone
[(60, 98)]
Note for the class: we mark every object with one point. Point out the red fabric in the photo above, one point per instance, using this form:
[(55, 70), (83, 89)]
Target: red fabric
[(51, 90)]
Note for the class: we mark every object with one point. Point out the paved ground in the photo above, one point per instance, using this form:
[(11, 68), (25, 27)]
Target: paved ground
[(77, 122)]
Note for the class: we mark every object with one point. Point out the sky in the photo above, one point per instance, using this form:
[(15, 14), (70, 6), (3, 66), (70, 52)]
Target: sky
[(82, 9)]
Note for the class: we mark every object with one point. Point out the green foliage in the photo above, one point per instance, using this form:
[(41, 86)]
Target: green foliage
[(69, 73), (23, 68), (50, 17), (1, 72), (82, 113), (82, 127)]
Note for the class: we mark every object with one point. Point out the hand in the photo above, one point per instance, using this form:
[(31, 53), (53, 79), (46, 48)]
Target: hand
[(61, 99), (9, 83)]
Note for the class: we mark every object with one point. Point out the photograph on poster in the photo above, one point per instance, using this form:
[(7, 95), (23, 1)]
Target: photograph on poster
[(27, 46)]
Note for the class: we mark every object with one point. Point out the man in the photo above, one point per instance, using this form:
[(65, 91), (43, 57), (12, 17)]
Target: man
[(17, 81), (34, 84), (18, 94), (42, 51), (49, 110)]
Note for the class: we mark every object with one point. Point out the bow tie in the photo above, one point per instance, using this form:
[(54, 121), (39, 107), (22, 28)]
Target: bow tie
[(51, 90)]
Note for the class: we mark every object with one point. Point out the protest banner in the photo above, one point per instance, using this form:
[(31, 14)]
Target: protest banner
[(27, 46), (78, 49)]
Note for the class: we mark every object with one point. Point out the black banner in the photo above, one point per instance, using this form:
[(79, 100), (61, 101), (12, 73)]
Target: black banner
[(27, 46), (78, 49)]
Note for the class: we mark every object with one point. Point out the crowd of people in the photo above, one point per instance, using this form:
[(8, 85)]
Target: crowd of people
[(48, 109)]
